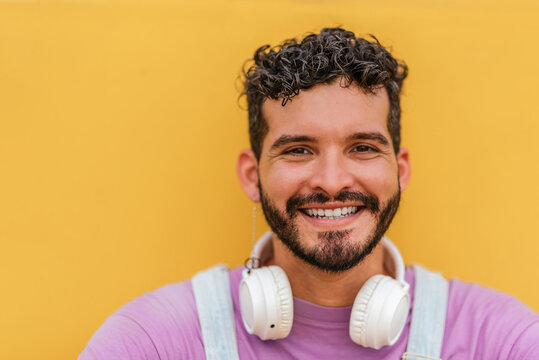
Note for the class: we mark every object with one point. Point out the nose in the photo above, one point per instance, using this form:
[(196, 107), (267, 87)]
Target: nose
[(331, 174)]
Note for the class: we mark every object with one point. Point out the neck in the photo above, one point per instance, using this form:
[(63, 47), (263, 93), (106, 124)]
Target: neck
[(326, 288)]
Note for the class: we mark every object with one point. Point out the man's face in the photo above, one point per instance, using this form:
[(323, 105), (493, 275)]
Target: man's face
[(328, 175)]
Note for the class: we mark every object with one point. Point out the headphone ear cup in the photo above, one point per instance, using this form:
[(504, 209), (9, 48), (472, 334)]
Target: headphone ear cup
[(286, 302), (266, 303), (379, 312)]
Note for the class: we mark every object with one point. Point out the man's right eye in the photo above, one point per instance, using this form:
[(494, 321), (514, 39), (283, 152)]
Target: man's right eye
[(298, 151)]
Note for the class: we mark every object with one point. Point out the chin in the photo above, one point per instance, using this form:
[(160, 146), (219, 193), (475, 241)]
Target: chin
[(332, 250)]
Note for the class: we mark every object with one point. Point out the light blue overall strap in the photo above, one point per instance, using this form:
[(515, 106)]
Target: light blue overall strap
[(431, 293), (216, 314)]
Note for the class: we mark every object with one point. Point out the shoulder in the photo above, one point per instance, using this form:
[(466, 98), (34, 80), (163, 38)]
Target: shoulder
[(483, 323), (162, 324)]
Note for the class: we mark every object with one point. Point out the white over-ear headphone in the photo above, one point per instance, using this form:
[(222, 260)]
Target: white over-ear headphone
[(378, 315)]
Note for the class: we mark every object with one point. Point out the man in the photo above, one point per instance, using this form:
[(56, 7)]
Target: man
[(327, 167)]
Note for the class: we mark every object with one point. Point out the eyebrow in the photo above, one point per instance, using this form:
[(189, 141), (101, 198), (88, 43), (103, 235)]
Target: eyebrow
[(369, 136), (288, 139)]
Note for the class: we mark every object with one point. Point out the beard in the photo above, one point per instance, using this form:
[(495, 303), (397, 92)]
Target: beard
[(335, 251)]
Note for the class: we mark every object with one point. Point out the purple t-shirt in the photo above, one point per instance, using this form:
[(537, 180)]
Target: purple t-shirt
[(481, 324)]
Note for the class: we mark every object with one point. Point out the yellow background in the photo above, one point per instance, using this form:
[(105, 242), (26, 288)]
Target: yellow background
[(120, 126)]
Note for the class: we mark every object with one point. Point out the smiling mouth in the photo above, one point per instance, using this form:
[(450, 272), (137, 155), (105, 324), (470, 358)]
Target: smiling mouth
[(331, 214)]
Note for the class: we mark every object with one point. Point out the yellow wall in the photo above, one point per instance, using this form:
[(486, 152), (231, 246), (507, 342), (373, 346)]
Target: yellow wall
[(119, 129)]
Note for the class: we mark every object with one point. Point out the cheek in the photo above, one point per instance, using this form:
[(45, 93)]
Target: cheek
[(379, 178), (284, 179), (281, 182)]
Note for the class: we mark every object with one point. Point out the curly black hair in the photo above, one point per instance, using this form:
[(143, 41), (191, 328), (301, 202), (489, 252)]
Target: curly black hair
[(280, 72)]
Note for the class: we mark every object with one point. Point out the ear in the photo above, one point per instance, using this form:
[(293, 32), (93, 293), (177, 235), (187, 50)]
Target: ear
[(247, 170), (405, 170)]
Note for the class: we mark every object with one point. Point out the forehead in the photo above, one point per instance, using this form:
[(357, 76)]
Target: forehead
[(328, 111)]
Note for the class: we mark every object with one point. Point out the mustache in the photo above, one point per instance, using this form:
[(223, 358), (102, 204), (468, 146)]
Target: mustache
[(370, 202)]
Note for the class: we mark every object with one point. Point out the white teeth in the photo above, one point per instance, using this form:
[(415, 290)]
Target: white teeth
[(331, 213)]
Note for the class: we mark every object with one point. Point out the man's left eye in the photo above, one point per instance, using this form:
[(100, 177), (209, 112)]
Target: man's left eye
[(364, 149)]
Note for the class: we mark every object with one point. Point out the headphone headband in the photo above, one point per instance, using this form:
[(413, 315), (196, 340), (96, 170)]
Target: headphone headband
[(262, 244)]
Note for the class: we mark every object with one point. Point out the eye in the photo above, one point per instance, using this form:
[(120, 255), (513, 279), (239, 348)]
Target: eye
[(298, 151), (364, 149)]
